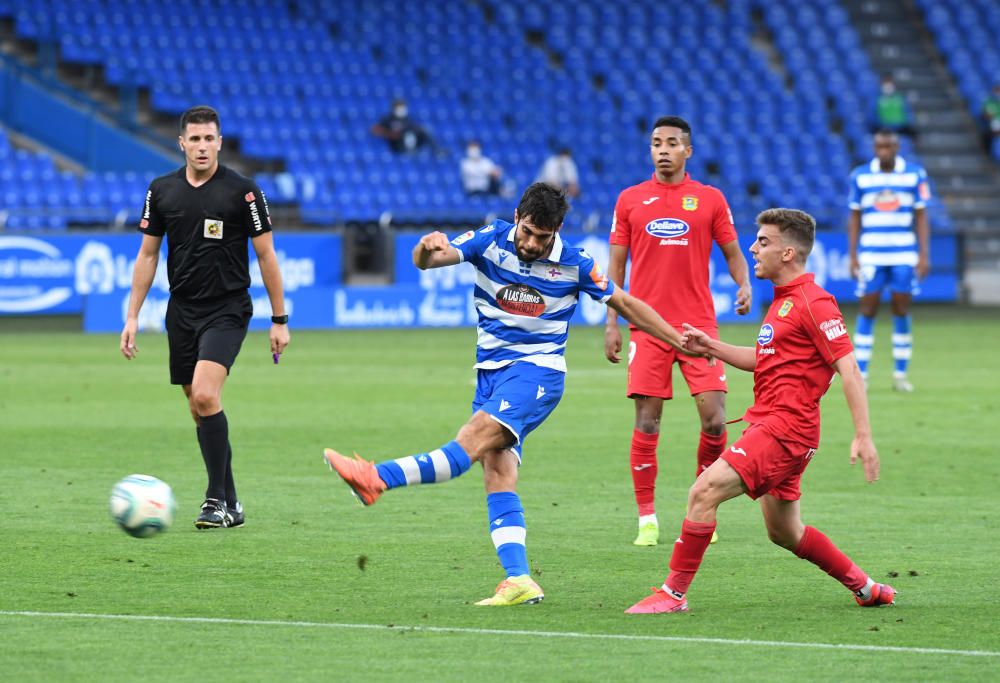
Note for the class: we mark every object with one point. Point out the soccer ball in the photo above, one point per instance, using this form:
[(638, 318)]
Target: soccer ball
[(142, 506)]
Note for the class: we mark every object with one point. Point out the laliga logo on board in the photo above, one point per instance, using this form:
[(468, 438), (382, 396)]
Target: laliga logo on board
[(766, 334)]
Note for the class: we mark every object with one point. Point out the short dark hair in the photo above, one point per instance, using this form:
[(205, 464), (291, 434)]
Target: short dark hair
[(544, 204), (887, 133), (200, 114), (795, 226), (674, 122)]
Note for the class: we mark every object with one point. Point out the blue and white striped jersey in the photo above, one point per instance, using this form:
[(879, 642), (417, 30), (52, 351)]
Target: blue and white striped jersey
[(525, 308), (887, 202)]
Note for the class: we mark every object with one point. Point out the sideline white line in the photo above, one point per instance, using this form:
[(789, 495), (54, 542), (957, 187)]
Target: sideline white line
[(505, 632)]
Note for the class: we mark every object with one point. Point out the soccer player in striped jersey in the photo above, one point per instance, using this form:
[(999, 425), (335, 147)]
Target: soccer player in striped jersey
[(888, 239), (528, 281)]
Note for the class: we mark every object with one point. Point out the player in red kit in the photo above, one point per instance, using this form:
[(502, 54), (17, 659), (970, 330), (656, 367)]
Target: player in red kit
[(668, 224), (801, 345)]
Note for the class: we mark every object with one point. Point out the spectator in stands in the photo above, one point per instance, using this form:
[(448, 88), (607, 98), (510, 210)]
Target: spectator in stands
[(892, 111), (559, 171), (991, 121), (481, 176), (403, 134)]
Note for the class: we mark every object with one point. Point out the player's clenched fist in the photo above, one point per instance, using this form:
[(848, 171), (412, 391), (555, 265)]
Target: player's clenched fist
[(434, 241), (434, 250)]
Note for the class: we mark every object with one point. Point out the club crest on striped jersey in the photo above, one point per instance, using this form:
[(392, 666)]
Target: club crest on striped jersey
[(786, 307), (521, 299)]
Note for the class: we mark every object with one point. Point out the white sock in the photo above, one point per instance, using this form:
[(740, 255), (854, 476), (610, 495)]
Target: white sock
[(866, 592), (648, 519), (670, 591)]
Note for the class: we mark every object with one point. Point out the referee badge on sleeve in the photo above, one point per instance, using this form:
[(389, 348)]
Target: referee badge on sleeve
[(213, 229)]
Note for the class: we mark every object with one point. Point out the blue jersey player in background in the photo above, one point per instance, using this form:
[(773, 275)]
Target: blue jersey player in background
[(888, 237), (528, 281)]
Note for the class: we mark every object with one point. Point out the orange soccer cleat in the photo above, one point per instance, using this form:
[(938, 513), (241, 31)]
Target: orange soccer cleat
[(359, 474)]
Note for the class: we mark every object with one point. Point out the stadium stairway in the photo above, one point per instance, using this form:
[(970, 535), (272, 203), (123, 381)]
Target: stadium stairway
[(898, 42)]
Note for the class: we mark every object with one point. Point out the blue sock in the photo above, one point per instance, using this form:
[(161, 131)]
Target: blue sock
[(864, 338), (508, 532), (902, 344), (440, 465)]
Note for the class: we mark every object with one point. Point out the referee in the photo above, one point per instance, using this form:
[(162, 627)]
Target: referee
[(207, 212)]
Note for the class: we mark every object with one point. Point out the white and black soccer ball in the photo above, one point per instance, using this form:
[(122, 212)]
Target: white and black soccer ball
[(142, 506)]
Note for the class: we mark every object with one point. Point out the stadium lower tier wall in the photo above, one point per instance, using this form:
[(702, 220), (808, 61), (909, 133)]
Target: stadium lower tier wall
[(31, 109), (91, 274)]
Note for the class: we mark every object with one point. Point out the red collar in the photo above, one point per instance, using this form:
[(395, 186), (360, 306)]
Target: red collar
[(800, 280)]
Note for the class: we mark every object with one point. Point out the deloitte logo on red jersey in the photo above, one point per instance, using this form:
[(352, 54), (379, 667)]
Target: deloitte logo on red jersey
[(670, 231)]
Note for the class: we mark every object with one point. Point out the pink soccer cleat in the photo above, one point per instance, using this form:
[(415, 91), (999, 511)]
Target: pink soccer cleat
[(882, 594), (659, 601)]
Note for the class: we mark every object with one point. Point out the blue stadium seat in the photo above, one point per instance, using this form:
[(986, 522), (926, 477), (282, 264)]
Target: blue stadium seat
[(305, 92)]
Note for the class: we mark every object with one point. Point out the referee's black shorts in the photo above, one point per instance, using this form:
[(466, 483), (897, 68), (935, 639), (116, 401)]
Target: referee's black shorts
[(206, 330)]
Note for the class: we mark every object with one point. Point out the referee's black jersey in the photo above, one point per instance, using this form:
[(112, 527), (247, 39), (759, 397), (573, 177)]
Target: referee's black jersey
[(207, 229)]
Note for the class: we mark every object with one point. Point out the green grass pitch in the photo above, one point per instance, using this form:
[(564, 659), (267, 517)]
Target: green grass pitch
[(316, 587)]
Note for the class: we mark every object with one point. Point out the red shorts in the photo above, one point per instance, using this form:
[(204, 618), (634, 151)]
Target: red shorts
[(651, 364), (767, 465)]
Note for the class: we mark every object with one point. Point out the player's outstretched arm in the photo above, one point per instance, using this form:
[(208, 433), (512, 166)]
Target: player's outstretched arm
[(142, 280), (616, 271), (862, 445), (434, 251), (642, 315), (742, 357)]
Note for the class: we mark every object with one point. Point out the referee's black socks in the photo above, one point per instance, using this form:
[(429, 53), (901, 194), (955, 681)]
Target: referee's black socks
[(213, 437)]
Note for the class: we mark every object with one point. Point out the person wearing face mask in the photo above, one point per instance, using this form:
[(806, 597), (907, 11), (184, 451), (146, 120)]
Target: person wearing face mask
[(481, 176), (892, 111), (560, 171), (403, 134)]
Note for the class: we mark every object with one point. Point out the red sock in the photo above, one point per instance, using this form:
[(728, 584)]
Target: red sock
[(709, 449), (688, 551), (642, 458), (821, 551)]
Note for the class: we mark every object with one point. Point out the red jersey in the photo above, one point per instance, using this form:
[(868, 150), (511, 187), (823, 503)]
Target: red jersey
[(669, 230), (802, 335)]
